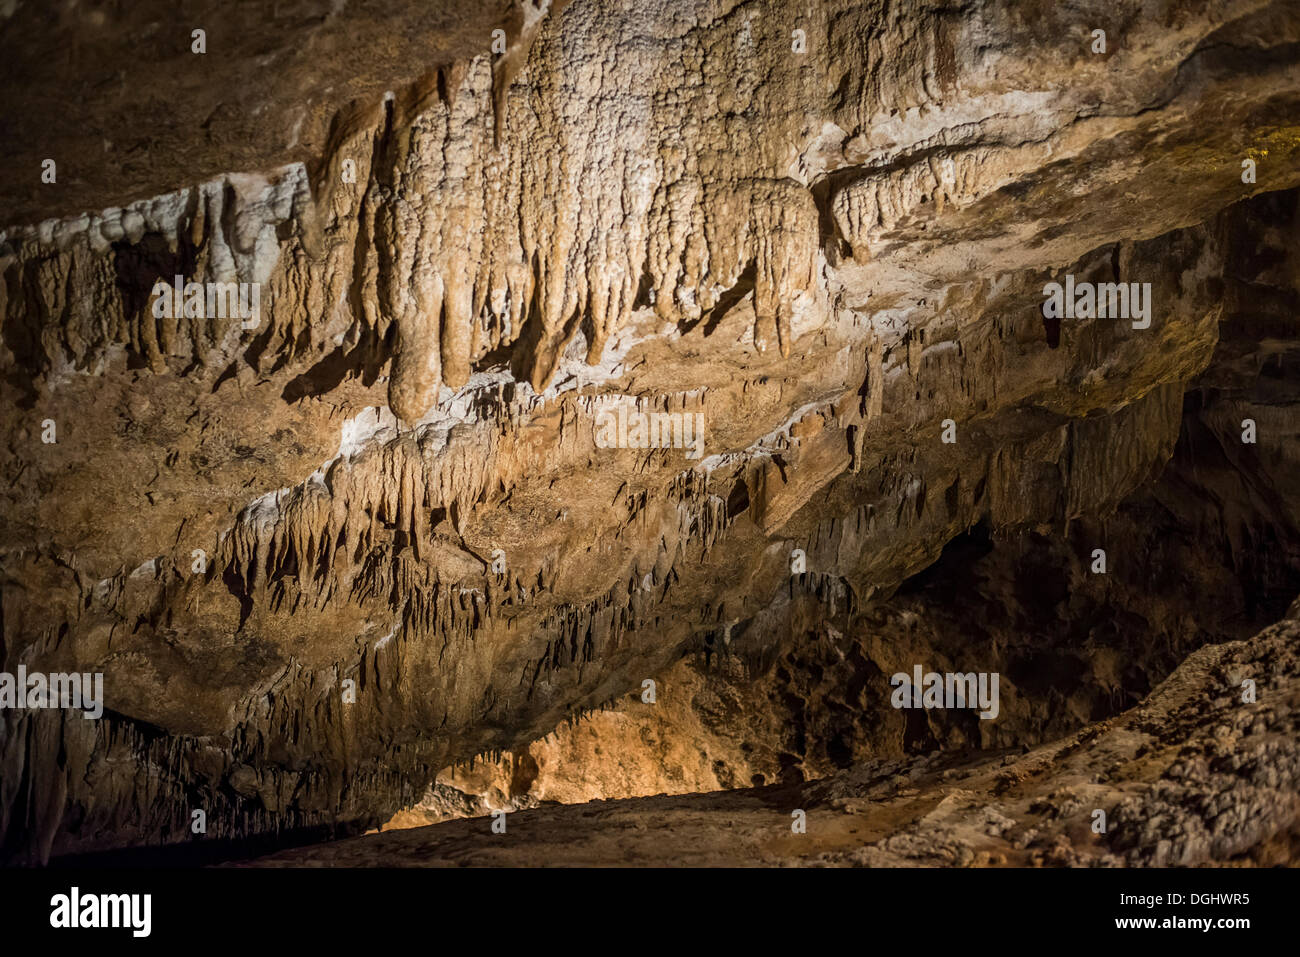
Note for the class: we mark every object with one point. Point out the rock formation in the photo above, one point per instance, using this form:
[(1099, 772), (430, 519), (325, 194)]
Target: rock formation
[(372, 527), (1190, 777)]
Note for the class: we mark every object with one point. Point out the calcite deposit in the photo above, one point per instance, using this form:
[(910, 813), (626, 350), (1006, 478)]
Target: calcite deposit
[(327, 558), (1193, 776)]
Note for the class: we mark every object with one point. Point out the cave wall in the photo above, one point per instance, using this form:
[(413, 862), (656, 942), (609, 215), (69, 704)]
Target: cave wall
[(827, 253)]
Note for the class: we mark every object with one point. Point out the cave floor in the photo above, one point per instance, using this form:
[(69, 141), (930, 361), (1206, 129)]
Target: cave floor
[(1196, 775)]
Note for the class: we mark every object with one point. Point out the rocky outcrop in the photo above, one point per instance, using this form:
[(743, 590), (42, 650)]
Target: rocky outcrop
[(1193, 776), (375, 530), (133, 100), (1207, 553)]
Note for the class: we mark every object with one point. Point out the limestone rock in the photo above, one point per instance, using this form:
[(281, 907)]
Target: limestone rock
[(325, 551)]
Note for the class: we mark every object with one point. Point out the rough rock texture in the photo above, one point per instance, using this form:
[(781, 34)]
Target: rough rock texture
[(393, 475), (116, 95), (1209, 553), (1192, 776)]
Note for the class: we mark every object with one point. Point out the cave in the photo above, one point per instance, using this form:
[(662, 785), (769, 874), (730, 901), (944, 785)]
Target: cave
[(595, 422)]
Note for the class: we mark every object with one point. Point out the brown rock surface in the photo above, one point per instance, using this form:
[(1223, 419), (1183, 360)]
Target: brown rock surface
[(1192, 776), (116, 94), (391, 482)]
